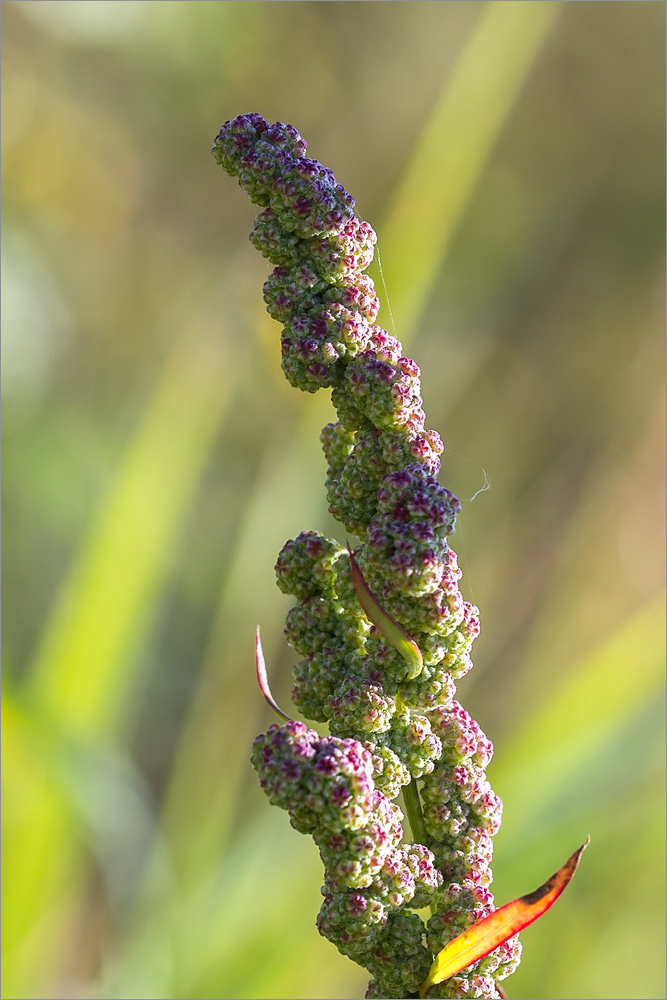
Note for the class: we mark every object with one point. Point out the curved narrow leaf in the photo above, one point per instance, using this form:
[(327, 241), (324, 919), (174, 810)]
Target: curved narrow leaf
[(389, 628), (500, 925), (262, 678)]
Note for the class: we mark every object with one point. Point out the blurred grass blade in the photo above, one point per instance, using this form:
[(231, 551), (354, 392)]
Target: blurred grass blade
[(83, 669), (542, 755), (453, 149), (41, 870), (499, 926), (390, 629)]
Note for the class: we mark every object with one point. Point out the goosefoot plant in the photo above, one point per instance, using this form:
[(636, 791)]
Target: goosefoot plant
[(386, 690)]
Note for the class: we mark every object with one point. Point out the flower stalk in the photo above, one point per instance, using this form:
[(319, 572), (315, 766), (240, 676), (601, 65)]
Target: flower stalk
[(413, 808), (383, 633)]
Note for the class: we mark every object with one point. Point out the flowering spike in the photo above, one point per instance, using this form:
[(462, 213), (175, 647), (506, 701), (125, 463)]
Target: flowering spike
[(387, 625), (263, 680), (489, 933), (387, 730)]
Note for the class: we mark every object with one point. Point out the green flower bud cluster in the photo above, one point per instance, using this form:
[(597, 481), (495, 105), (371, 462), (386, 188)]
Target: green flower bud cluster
[(388, 729), (340, 681), (327, 786), (461, 814)]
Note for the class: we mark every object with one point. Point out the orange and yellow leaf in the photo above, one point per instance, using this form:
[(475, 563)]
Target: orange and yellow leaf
[(499, 926)]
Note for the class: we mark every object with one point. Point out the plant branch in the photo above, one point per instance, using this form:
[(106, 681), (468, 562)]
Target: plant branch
[(413, 807)]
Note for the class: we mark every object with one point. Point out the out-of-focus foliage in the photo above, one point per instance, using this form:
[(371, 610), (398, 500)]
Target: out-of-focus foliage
[(511, 158)]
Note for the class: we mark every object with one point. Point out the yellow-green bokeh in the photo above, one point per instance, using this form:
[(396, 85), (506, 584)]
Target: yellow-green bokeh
[(510, 156)]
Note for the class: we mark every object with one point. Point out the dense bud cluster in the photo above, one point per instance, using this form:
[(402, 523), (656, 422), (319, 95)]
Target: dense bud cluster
[(461, 814), (388, 729), (327, 786)]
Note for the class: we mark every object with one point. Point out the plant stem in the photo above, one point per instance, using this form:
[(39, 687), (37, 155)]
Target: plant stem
[(414, 810)]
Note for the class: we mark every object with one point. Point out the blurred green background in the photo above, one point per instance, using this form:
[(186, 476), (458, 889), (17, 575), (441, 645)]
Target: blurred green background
[(511, 158)]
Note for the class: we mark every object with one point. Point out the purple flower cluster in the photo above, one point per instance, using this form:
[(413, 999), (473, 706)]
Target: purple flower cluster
[(327, 786), (308, 229), (388, 731)]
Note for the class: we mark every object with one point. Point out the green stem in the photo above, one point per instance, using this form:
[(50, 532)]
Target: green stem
[(413, 808)]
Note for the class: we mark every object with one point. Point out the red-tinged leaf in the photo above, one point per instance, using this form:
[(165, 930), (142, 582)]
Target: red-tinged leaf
[(500, 925), (390, 629), (262, 678)]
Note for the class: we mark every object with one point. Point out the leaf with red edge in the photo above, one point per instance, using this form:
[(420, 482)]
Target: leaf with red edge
[(389, 628), (500, 925), (262, 678)]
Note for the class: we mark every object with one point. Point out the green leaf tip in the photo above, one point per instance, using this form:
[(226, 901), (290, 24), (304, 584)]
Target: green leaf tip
[(388, 626)]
